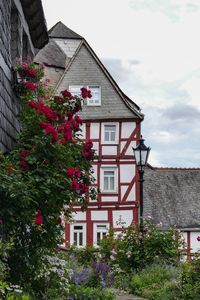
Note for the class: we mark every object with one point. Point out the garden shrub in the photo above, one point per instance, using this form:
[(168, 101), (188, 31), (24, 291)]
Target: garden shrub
[(48, 171), (155, 282), (189, 280), (133, 251), (16, 296), (87, 293), (84, 256)]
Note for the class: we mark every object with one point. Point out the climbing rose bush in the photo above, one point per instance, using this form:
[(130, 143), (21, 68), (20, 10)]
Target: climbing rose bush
[(49, 170)]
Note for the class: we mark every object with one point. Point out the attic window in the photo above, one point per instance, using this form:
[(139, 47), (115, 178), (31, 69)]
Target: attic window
[(75, 90), (96, 95), (95, 91)]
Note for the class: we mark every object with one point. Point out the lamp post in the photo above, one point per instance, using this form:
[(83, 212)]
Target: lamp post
[(141, 153)]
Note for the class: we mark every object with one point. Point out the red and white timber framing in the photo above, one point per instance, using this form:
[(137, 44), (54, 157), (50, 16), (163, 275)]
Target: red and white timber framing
[(116, 209), (192, 245)]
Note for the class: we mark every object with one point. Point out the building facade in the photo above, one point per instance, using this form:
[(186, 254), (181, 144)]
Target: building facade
[(172, 198), (111, 121), (22, 31)]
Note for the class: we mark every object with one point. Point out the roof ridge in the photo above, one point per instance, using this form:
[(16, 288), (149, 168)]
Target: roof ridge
[(60, 30), (176, 168)]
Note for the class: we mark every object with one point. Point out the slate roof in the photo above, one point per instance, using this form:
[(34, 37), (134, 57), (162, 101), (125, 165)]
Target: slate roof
[(34, 15), (51, 55), (59, 30), (172, 196)]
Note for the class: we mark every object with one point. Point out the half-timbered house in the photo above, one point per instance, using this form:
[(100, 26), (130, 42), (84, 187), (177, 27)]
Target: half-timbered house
[(22, 31), (111, 121)]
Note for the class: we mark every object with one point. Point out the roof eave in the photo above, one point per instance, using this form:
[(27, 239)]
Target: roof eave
[(136, 109), (34, 14)]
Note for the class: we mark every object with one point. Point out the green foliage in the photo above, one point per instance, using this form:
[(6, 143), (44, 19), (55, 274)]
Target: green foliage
[(16, 296), (47, 172), (189, 280), (84, 256), (155, 282), (132, 250), (87, 293)]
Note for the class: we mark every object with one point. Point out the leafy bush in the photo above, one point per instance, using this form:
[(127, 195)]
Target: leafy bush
[(84, 256), (189, 280), (132, 250), (155, 282), (87, 293), (16, 296), (47, 172)]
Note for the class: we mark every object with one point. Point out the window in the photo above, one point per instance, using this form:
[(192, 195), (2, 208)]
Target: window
[(78, 236), (96, 96), (95, 91), (109, 133), (109, 179), (75, 90), (100, 232)]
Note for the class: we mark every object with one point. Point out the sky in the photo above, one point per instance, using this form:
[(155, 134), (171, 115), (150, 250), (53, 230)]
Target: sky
[(152, 50)]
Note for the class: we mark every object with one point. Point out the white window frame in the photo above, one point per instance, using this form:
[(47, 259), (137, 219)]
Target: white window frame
[(116, 133), (77, 87), (113, 169), (90, 100), (72, 231), (96, 230), (89, 87)]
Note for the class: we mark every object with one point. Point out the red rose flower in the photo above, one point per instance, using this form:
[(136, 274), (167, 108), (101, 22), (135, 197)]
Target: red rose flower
[(70, 172), (77, 107), (67, 94), (24, 153), (75, 185), (77, 172), (87, 151), (49, 129), (59, 220), (30, 85), (85, 93), (23, 164), (78, 120), (83, 188), (62, 141), (32, 72), (38, 218), (70, 115), (59, 99)]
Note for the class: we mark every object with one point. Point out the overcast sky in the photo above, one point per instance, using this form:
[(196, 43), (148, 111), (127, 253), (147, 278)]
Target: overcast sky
[(152, 49)]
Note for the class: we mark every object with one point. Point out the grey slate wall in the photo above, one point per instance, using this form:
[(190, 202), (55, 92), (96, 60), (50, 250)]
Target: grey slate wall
[(11, 33), (84, 71)]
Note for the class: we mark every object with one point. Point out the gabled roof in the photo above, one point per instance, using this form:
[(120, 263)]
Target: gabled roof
[(172, 196), (59, 30), (34, 14), (51, 55), (71, 46), (132, 106)]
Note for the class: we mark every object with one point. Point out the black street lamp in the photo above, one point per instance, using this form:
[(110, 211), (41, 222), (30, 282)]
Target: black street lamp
[(141, 153)]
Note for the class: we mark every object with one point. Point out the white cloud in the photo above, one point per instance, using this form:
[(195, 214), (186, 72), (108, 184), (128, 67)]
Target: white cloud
[(192, 86), (152, 49)]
